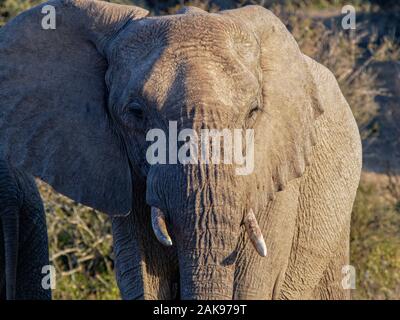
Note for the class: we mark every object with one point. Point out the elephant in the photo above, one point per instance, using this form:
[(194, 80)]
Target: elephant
[(23, 236), (77, 103)]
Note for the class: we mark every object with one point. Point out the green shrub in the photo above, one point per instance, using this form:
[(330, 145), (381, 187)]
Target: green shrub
[(10, 8), (80, 249), (375, 245)]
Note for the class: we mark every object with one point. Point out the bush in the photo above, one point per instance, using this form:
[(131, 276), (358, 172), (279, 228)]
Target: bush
[(10, 8), (80, 249), (375, 244)]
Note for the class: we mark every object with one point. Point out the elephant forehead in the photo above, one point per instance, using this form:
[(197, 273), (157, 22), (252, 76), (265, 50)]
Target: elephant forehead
[(171, 58), (178, 34)]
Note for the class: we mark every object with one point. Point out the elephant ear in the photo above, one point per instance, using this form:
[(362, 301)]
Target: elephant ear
[(290, 101), (54, 121)]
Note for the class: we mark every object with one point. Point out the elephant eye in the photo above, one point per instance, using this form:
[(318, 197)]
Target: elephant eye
[(135, 109), (253, 111), (252, 114)]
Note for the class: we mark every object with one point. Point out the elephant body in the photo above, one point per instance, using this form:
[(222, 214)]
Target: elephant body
[(81, 104), (23, 223)]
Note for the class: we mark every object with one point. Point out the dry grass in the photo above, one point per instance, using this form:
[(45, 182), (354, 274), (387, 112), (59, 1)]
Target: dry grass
[(375, 241)]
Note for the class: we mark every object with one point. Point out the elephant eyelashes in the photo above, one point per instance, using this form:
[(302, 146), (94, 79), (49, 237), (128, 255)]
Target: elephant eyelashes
[(135, 110), (133, 117), (252, 115), (253, 112)]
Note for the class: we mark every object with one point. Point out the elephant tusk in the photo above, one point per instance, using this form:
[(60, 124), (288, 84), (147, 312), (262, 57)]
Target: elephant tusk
[(255, 235), (160, 227)]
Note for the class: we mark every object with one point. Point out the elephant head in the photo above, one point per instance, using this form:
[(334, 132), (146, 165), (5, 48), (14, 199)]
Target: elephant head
[(78, 101)]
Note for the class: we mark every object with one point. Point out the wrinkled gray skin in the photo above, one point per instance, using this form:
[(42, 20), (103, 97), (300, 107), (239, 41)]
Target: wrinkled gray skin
[(76, 103), (23, 237)]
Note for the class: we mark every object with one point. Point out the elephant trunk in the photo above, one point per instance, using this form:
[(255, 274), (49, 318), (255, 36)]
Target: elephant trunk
[(196, 209), (10, 223), (206, 271), (207, 253), (206, 257), (206, 282)]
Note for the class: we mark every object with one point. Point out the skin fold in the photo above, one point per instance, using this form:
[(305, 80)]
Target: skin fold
[(23, 237), (77, 102)]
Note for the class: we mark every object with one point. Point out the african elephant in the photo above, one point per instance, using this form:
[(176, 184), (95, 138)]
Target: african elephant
[(23, 236), (78, 102)]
